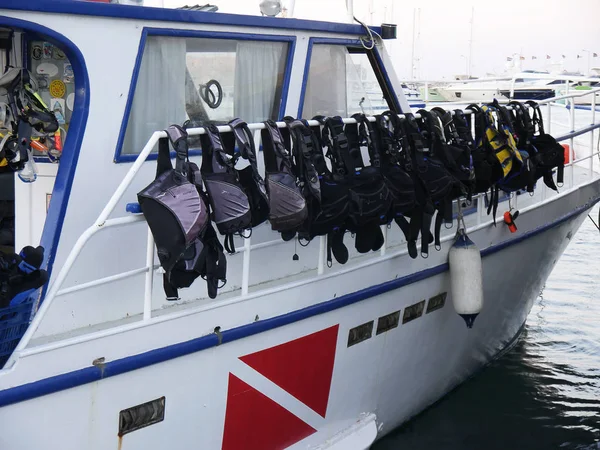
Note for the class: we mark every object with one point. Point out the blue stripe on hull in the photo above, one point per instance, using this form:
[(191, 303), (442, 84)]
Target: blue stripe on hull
[(90, 374)]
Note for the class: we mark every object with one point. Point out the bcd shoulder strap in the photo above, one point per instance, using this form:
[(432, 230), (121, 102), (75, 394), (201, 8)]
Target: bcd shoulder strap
[(336, 142), (230, 204), (303, 150), (287, 205), (249, 177)]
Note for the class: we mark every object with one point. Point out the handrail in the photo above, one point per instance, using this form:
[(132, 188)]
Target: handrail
[(562, 97), (103, 222)]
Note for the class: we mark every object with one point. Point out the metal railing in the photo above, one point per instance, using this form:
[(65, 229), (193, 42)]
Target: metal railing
[(103, 222)]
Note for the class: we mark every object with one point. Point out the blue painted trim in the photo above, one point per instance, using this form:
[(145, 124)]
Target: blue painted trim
[(396, 103), (290, 40), (387, 81), (311, 42), (66, 169), (134, 78), (305, 77), (347, 43), (178, 15), (583, 107), (90, 374), (287, 74)]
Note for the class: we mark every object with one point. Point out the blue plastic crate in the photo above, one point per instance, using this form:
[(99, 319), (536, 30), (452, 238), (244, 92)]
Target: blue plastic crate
[(14, 321)]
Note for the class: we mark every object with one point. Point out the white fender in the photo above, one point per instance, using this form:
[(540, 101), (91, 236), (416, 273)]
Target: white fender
[(466, 278)]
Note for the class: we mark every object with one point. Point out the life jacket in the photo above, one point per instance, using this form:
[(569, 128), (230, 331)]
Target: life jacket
[(457, 148), (427, 144), (177, 212), (249, 177), (549, 153), (396, 168), (287, 205)]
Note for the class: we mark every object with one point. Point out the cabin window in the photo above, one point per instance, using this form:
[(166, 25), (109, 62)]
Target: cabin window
[(341, 82), (204, 79)]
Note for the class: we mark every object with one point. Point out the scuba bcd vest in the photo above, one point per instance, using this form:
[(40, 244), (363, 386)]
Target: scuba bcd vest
[(369, 199), (456, 153), (325, 203), (494, 156), (372, 192), (176, 210), (287, 206), (330, 218), (549, 153), (229, 202), (522, 176), (426, 141), (397, 171), (249, 177)]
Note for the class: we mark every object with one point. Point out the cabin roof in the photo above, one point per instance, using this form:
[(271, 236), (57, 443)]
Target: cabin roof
[(87, 8)]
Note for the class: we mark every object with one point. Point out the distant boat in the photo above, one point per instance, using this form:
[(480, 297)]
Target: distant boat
[(487, 90)]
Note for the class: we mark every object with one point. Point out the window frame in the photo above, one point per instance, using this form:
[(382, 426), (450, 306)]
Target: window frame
[(376, 63), (147, 31)]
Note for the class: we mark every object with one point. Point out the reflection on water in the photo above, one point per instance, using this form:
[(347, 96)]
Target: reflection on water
[(545, 393)]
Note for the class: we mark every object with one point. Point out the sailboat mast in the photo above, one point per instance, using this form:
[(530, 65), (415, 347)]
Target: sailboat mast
[(412, 56), (471, 42)]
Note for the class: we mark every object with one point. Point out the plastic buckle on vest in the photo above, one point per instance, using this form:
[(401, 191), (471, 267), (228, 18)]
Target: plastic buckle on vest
[(341, 140), (307, 139)]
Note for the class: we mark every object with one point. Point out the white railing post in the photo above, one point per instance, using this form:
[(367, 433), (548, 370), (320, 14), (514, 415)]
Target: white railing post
[(246, 267), (591, 163), (149, 276), (322, 251), (384, 229), (549, 121), (572, 140)]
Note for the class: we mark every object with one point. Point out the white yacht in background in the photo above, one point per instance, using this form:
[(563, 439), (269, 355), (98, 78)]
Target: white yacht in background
[(293, 352), (485, 90)]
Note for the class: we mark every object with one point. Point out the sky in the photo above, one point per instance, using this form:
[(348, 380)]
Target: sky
[(441, 32)]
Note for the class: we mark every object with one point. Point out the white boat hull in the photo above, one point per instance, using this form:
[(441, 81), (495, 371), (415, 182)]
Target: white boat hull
[(324, 393)]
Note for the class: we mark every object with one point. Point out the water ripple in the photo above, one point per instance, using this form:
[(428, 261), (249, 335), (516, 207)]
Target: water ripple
[(545, 393)]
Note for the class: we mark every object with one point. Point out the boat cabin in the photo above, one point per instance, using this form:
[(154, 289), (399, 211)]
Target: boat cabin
[(144, 70)]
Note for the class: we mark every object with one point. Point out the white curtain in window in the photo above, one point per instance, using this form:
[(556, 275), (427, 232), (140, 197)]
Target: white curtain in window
[(258, 78), (159, 99), (326, 86)]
